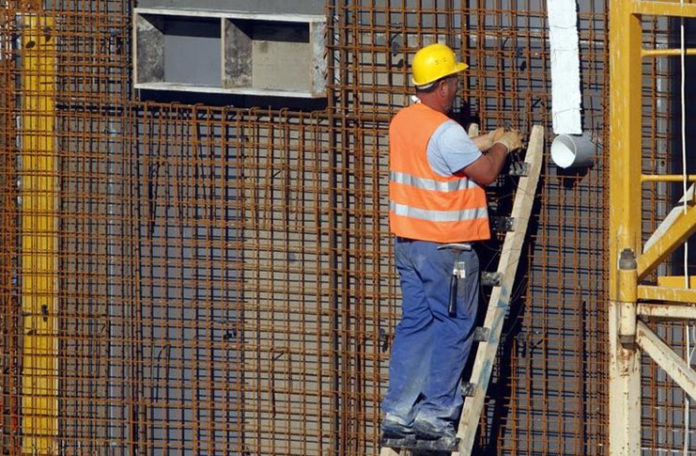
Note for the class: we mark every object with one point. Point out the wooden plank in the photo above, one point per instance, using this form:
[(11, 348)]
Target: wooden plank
[(386, 451), (500, 296)]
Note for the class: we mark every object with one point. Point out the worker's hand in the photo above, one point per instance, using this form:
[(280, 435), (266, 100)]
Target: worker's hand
[(511, 140), (496, 134), (485, 142)]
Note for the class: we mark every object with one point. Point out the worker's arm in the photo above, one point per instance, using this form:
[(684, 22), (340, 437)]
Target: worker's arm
[(485, 142), (486, 168)]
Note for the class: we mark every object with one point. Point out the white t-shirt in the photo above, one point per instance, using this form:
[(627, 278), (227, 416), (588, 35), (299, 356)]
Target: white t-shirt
[(450, 149)]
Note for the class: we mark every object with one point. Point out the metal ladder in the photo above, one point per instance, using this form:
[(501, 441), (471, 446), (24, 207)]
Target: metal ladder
[(488, 337)]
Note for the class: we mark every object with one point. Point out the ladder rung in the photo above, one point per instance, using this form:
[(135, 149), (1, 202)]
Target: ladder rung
[(491, 279), (502, 224), (481, 334), (468, 389), (656, 8), (518, 168)]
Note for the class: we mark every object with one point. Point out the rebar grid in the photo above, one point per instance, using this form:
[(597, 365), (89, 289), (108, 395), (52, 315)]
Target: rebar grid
[(226, 284), (551, 368), (667, 423)]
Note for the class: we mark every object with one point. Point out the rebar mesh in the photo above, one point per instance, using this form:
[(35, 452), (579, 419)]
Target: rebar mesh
[(667, 418), (224, 275)]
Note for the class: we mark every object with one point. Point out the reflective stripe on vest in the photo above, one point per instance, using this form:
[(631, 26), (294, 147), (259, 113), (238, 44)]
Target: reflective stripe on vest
[(438, 216), (432, 184)]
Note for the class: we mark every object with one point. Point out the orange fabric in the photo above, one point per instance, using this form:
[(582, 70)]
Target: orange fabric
[(409, 134), (428, 199), (443, 232)]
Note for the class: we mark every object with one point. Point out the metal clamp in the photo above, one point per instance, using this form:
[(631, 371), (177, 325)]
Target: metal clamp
[(518, 168), (491, 279), (500, 223), (468, 389), (481, 334)]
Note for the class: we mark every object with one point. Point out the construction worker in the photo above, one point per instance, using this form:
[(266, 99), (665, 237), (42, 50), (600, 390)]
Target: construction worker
[(436, 198)]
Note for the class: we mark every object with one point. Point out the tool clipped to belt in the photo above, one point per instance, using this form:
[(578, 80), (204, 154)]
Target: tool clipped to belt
[(458, 272)]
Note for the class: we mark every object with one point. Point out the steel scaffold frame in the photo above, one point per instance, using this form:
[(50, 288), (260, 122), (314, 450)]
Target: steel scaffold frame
[(629, 261)]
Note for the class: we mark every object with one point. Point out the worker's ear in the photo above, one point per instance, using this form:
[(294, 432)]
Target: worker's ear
[(442, 86)]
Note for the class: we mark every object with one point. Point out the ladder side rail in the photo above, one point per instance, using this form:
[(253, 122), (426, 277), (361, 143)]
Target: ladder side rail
[(500, 296)]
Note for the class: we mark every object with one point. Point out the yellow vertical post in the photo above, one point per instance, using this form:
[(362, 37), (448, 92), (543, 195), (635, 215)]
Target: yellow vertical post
[(39, 231), (624, 227)]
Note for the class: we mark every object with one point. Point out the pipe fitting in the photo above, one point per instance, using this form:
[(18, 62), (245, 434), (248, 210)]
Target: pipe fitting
[(573, 151)]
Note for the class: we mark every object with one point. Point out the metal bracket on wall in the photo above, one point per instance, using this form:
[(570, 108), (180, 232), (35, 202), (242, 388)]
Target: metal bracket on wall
[(468, 389), (481, 334), (491, 279), (502, 224), (518, 168)]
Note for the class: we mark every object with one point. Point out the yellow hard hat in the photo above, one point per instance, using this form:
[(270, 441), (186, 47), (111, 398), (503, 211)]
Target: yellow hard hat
[(433, 62)]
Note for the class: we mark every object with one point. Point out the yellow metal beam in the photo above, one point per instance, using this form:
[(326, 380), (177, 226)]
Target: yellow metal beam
[(675, 281), (624, 392), (624, 135), (670, 294), (39, 228), (667, 311), (664, 8), (666, 178), (626, 266), (625, 77), (675, 235), (664, 356), (666, 52)]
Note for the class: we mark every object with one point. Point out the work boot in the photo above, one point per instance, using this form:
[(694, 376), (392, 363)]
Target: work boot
[(393, 429), (426, 430)]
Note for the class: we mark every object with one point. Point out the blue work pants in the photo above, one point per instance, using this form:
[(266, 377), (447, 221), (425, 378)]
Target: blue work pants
[(430, 348)]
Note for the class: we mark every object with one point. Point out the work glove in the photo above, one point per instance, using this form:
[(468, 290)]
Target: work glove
[(485, 142), (496, 134), (511, 140)]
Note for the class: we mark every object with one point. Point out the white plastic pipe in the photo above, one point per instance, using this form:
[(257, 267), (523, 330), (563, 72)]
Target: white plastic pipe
[(573, 151)]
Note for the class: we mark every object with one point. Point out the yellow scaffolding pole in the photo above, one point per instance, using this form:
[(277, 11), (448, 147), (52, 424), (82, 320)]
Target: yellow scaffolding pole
[(628, 263), (624, 227), (39, 242)]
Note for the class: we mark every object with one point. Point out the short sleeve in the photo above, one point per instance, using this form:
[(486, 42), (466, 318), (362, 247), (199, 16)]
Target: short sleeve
[(450, 149)]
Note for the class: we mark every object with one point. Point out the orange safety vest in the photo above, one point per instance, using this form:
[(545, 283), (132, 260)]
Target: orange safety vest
[(422, 204)]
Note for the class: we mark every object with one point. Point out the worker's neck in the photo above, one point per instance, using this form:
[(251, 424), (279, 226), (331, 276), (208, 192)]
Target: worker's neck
[(433, 102)]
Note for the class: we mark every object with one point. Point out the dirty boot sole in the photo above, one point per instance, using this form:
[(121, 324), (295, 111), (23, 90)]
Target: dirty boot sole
[(445, 443)]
